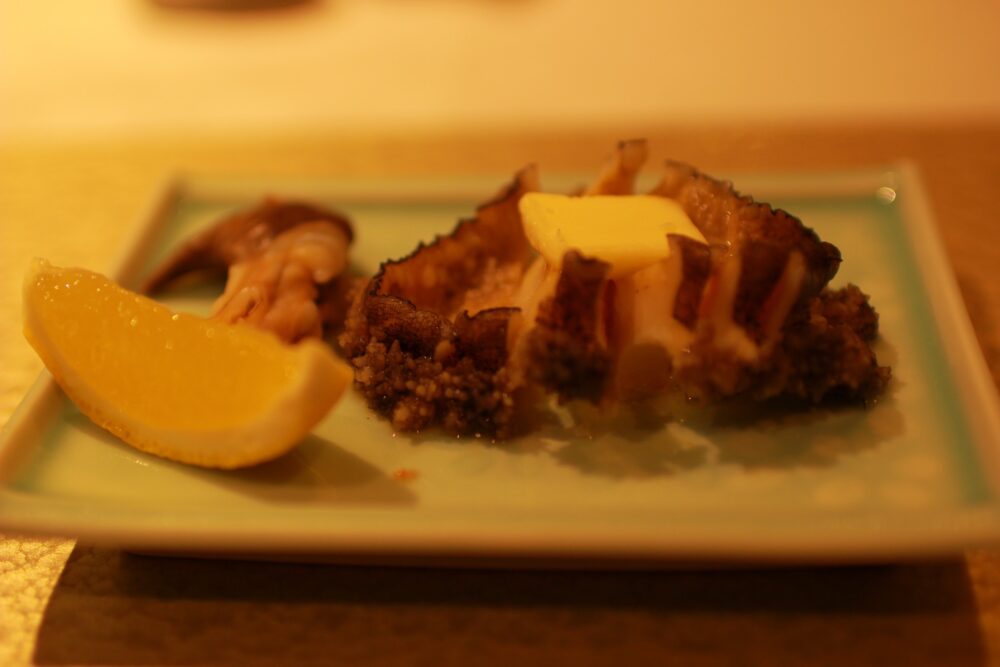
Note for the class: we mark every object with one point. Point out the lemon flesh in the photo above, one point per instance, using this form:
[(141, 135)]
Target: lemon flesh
[(172, 384), (628, 232)]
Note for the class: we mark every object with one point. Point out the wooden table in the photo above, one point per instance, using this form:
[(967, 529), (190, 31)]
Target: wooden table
[(67, 603)]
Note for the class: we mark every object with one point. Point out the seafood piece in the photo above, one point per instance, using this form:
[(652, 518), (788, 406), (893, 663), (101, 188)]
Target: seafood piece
[(766, 324), (428, 335), (468, 331), (285, 261)]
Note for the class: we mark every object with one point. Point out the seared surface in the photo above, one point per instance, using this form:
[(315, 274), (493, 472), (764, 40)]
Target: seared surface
[(448, 336), (421, 357)]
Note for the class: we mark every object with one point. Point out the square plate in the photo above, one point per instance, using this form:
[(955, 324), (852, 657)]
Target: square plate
[(915, 475)]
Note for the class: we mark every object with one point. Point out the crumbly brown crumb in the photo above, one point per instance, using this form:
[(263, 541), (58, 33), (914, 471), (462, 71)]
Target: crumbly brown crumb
[(417, 392), (564, 351), (825, 350)]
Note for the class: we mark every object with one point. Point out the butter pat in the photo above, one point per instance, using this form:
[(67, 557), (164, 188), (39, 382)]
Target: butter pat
[(626, 231)]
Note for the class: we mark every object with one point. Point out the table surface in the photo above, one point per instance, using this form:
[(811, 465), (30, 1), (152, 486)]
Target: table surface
[(68, 603)]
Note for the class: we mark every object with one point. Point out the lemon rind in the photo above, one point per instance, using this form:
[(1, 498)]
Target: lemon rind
[(289, 418)]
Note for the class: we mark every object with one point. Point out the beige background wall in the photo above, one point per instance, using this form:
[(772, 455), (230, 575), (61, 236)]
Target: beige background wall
[(127, 66)]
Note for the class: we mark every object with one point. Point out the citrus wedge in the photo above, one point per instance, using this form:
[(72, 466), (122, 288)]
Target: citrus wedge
[(176, 385)]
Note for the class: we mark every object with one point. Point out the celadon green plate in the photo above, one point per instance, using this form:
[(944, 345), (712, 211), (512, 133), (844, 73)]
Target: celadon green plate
[(915, 475)]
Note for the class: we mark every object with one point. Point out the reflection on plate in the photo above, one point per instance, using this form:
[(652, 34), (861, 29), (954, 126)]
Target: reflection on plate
[(915, 474)]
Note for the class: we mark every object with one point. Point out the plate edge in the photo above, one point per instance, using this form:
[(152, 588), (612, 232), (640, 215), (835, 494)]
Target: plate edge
[(913, 202), (966, 362)]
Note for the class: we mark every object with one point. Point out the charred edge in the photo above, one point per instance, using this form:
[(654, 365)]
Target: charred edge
[(822, 258), (396, 319), (563, 349), (825, 351), (852, 307), (695, 268), (416, 364), (762, 265), (421, 248), (419, 369), (688, 173), (483, 337), (523, 180)]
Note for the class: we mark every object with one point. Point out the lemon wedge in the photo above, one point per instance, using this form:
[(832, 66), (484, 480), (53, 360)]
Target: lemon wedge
[(176, 385)]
